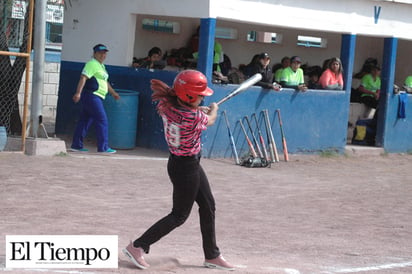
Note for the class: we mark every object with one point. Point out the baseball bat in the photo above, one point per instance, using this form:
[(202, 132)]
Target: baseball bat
[(271, 140), (259, 151), (285, 147), (251, 148), (262, 141), (242, 87), (232, 141)]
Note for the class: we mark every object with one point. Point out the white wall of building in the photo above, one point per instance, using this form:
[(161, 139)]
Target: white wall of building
[(116, 21), (349, 16), (145, 40), (87, 23)]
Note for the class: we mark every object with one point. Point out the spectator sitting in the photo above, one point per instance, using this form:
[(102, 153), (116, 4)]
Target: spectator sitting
[(367, 67), (332, 78), (314, 74), (262, 67), (370, 87), (285, 62), (408, 84), (194, 41), (152, 61), (226, 65), (247, 69), (292, 76), (355, 95), (235, 76), (325, 64), (217, 56)]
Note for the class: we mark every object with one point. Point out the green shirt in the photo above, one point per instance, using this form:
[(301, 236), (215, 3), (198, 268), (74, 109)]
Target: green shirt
[(408, 82), (218, 55), (278, 75), (292, 78), (370, 84), (97, 78)]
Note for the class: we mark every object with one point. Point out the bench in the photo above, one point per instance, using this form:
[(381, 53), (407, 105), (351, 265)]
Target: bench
[(357, 111)]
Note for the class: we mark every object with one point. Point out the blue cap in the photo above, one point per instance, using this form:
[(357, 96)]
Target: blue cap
[(295, 59), (100, 47)]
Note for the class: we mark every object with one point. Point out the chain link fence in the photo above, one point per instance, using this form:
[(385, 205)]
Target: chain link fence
[(15, 30), (15, 48)]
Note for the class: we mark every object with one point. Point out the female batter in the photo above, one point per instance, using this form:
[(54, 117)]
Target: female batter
[(184, 120)]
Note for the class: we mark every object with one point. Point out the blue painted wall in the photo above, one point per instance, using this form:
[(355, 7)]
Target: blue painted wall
[(149, 130), (394, 134), (398, 132), (206, 45), (313, 121)]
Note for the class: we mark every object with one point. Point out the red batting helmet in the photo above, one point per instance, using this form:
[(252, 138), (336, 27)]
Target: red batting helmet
[(188, 84)]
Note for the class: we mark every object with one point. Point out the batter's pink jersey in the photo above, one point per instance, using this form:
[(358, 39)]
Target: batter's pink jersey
[(182, 128)]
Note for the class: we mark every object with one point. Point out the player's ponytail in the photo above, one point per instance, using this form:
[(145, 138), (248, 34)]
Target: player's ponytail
[(162, 92)]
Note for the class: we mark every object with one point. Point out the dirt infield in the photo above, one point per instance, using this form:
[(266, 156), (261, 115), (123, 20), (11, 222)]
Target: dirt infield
[(311, 215)]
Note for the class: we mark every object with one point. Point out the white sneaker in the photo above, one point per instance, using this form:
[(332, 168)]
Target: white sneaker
[(219, 263), (135, 254)]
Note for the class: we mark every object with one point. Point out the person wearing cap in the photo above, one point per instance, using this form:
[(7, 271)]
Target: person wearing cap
[(262, 67), (92, 89), (292, 76)]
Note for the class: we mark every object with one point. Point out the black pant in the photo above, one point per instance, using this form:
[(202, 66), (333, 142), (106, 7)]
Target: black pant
[(190, 185), (372, 103), (369, 101)]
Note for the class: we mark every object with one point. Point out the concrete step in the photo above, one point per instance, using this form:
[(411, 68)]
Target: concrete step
[(354, 150), (38, 146)]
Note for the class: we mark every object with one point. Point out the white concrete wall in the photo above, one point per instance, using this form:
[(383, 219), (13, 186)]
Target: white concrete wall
[(50, 94), (87, 23), (349, 16), (116, 21)]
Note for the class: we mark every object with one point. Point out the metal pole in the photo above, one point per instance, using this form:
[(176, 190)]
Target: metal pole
[(39, 43), (26, 86)]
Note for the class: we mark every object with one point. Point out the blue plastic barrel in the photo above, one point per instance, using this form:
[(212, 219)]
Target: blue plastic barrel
[(3, 137), (122, 115)]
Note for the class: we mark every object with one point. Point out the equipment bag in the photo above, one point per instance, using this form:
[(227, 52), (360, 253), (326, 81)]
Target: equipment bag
[(251, 161), (364, 132)]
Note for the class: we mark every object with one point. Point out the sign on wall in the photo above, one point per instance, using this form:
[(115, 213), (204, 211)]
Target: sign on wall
[(18, 9), (54, 13)]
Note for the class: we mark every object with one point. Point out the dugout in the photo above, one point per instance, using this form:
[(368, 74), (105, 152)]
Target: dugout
[(314, 121)]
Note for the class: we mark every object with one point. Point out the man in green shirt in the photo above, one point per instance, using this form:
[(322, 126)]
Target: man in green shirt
[(292, 76)]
